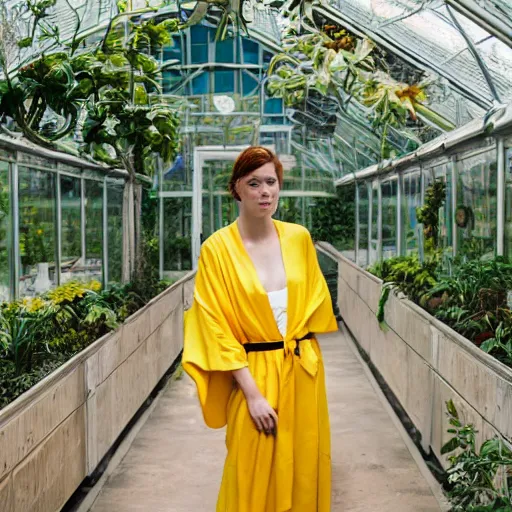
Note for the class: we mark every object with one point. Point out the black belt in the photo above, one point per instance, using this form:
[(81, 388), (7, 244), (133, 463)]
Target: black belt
[(274, 345)]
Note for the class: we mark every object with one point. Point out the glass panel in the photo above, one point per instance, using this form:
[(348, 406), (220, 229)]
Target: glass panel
[(251, 51), (476, 208), (172, 51), (4, 231), (412, 199), (37, 231), (178, 174), (389, 210), (115, 231), (176, 235), (443, 172), (289, 210), (224, 81), (199, 53), (93, 229), (363, 224), (273, 106), (170, 78), (200, 84), (71, 251), (249, 84), (224, 51), (375, 223), (219, 209)]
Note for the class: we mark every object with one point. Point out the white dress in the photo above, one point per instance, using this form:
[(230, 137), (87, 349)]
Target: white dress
[(279, 302)]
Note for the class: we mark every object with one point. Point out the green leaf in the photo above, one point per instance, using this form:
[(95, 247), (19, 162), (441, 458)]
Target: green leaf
[(450, 446), (489, 345), (25, 42), (452, 409)]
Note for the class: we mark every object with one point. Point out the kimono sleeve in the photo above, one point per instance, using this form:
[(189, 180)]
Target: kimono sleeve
[(321, 316), (211, 350)]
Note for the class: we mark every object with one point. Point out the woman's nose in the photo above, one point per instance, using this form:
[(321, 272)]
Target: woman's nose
[(265, 191)]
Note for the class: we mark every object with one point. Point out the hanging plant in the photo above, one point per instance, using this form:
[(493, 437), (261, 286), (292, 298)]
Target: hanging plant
[(333, 63)]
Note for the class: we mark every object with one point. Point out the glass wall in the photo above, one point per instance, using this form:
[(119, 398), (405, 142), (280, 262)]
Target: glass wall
[(411, 201), (476, 212), (362, 258), (37, 230), (389, 217), (4, 230), (443, 172), (115, 231), (50, 190), (93, 229), (177, 222), (71, 215)]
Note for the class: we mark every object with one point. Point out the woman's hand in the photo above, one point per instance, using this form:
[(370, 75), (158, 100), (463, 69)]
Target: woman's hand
[(264, 417)]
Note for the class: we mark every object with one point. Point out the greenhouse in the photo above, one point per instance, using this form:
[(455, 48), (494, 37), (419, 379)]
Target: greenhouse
[(120, 125)]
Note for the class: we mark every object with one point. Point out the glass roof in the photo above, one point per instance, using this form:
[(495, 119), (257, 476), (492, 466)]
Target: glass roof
[(463, 46), (436, 36)]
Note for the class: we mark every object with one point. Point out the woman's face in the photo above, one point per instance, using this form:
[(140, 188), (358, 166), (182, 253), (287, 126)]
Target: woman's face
[(259, 191)]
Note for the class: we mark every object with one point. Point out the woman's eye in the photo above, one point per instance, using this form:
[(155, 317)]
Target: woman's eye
[(253, 184)]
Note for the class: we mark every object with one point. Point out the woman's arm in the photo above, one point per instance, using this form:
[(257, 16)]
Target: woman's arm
[(261, 413)]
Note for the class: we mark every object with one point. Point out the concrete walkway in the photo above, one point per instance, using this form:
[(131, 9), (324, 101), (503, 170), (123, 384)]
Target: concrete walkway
[(175, 462)]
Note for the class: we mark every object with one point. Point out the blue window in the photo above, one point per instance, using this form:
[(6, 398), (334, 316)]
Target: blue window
[(224, 51), (224, 81), (249, 84), (170, 78), (199, 44), (173, 51), (251, 51), (199, 53), (199, 34), (200, 84), (273, 106)]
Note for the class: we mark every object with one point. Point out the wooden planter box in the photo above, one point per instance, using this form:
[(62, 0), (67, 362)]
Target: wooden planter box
[(55, 434), (425, 362)]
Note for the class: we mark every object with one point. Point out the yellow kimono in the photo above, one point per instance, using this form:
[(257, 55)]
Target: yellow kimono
[(292, 471)]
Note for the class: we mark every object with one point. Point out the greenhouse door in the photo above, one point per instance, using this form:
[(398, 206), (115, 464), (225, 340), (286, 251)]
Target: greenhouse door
[(212, 206)]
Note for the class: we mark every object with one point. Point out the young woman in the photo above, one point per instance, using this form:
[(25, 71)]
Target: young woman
[(249, 346)]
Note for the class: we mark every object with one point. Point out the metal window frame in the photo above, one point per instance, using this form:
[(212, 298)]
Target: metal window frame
[(399, 215), (500, 197), (14, 250), (80, 173), (379, 219), (58, 230), (455, 181), (369, 187), (357, 234)]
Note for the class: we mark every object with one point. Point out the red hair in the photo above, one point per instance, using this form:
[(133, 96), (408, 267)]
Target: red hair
[(248, 161)]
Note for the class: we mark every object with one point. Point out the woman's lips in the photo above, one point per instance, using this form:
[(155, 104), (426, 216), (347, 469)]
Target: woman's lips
[(265, 205)]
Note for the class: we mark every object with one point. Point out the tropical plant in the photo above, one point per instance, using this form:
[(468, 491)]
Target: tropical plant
[(407, 275), (39, 334), (235, 13), (477, 480), (334, 219), (126, 123), (335, 64), (115, 81), (428, 214), (474, 302)]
